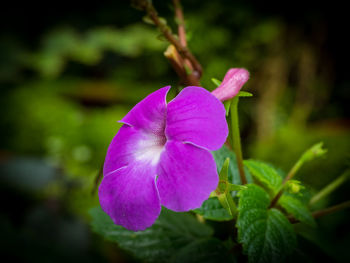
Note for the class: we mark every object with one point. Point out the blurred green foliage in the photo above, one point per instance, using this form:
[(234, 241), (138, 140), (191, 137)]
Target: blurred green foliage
[(66, 44)]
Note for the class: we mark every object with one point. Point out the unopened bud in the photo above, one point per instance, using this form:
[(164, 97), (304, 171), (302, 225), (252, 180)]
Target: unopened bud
[(314, 152), (294, 186), (233, 81)]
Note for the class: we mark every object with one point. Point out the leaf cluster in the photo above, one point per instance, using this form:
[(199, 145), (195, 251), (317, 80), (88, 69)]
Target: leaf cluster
[(262, 233)]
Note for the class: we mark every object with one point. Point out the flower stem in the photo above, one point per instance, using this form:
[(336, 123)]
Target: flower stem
[(310, 154), (290, 175), (236, 138), (330, 188)]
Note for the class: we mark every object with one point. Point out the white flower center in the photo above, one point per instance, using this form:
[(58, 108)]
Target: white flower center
[(150, 149)]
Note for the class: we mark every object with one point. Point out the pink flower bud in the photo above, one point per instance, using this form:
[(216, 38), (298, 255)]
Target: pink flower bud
[(231, 84)]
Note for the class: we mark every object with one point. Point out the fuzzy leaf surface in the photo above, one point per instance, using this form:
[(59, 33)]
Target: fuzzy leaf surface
[(171, 232), (296, 208), (265, 174), (209, 250), (266, 234)]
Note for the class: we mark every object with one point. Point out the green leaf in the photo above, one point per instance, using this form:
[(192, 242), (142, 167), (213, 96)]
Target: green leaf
[(296, 208), (265, 174), (223, 175), (235, 187), (244, 94), (266, 235), (224, 188), (216, 81), (227, 202), (227, 105), (212, 209), (209, 250), (158, 243), (233, 173)]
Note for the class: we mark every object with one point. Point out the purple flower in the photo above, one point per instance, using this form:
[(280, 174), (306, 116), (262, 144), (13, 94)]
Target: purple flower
[(231, 84), (160, 156)]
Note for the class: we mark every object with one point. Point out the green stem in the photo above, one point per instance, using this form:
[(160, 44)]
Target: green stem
[(231, 203), (236, 138), (293, 171), (331, 209), (325, 211), (223, 190), (290, 175), (310, 154), (227, 202), (330, 188)]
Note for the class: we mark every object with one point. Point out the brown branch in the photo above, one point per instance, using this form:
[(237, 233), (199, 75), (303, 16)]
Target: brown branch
[(176, 61), (165, 30), (181, 22), (181, 31), (277, 197), (323, 212)]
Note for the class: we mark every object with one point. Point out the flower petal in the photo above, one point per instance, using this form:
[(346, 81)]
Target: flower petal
[(132, 145), (197, 116), (186, 176), (130, 197), (149, 114)]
